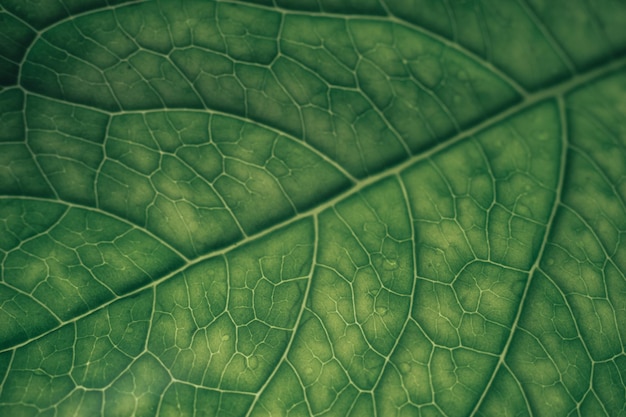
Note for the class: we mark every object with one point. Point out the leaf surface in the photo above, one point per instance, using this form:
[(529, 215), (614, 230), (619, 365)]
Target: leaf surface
[(264, 208)]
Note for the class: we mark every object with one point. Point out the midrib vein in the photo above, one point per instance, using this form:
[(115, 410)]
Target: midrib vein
[(553, 92)]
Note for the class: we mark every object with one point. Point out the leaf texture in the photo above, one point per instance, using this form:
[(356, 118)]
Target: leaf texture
[(312, 208)]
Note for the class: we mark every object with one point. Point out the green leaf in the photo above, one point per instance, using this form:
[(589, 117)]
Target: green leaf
[(312, 207)]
